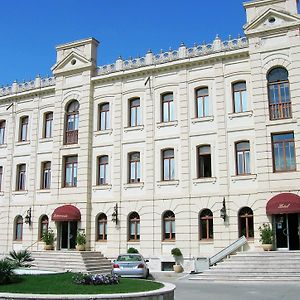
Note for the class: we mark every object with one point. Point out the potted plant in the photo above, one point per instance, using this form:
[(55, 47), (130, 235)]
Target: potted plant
[(176, 252), (48, 239), (80, 240), (266, 236)]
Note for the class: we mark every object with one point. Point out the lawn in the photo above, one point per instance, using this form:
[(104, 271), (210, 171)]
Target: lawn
[(63, 284)]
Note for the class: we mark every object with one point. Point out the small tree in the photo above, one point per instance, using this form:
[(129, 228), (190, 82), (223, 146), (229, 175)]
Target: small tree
[(132, 250), (80, 238), (266, 233)]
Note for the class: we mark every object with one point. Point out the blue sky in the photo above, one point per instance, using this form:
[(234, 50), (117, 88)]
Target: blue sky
[(31, 29)]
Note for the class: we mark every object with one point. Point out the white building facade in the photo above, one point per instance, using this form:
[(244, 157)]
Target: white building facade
[(145, 153)]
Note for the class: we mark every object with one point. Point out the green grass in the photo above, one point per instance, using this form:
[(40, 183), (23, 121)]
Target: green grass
[(63, 284)]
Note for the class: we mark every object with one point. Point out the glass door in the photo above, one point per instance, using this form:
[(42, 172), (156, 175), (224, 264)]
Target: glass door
[(68, 232), (293, 225), (281, 231)]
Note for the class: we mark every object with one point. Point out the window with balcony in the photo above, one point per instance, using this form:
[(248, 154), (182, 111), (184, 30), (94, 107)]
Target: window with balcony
[(72, 123), (134, 226), (202, 102), (21, 177), (242, 150), (280, 105), (23, 133), (284, 157), (71, 167), (46, 175), (169, 232), (102, 227), (48, 121), (168, 165), (18, 235), (104, 117), (206, 224), (240, 97), (167, 107), (2, 131), (102, 170), (204, 161), (135, 112), (246, 224), (134, 167)]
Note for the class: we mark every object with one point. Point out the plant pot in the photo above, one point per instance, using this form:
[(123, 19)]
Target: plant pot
[(80, 247), (48, 247), (178, 268), (267, 247)]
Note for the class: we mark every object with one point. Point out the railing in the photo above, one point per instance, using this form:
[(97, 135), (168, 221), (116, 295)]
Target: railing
[(280, 111), (228, 250), (71, 137)]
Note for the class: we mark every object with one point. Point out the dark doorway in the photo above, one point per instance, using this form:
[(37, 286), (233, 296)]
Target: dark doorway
[(281, 231), (293, 224), (68, 235)]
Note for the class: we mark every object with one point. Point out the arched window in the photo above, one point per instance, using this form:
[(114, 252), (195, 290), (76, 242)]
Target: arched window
[(279, 94), (246, 226), (134, 227), (134, 167), (168, 165), (240, 97), (202, 102), (102, 227), (169, 226), (104, 117), (242, 150), (102, 170), (44, 225), (2, 131), (206, 224), (23, 132), (204, 161), (72, 123), (167, 107), (18, 228), (134, 112)]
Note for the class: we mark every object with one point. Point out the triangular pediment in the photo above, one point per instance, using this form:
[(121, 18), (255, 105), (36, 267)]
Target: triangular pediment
[(271, 20), (73, 62)]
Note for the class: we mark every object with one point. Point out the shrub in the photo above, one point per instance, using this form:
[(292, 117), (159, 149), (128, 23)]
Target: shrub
[(48, 237), (266, 234), (21, 259), (98, 279), (176, 252), (6, 271), (80, 238), (132, 250)]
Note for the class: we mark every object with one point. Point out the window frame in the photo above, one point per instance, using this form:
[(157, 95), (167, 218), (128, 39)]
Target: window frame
[(136, 164), (243, 151), (135, 220), (203, 98), (18, 223), (74, 166), (46, 174), (199, 160), (2, 131), (249, 229), (71, 135), (170, 106), (21, 177), (48, 125), (23, 129), (240, 91), (101, 219), (207, 220), (169, 217), (171, 164), (105, 165), (137, 112), (104, 114), (1, 178)]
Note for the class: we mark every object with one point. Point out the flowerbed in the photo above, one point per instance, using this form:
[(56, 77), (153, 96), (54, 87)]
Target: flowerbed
[(98, 279)]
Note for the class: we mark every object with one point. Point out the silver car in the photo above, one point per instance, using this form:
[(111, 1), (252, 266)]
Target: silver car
[(131, 265)]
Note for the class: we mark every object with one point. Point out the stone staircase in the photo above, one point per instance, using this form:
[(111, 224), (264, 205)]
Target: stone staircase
[(75, 261), (256, 266)]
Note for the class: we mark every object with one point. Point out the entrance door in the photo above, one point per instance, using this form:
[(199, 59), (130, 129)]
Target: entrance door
[(68, 232), (281, 226), (293, 225)]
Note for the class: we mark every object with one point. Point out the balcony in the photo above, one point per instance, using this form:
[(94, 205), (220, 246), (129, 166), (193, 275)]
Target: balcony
[(280, 111), (71, 137)]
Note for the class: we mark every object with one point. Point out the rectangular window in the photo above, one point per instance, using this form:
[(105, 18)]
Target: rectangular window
[(242, 158), (240, 97), (135, 112), (168, 165), (46, 175), (283, 152), (167, 108), (48, 125), (104, 119), (2, 132), (23, 129), (21, 177), (1, 177), (102, 170), (134, 167), (71, 171), (204, 162), (202, 102)]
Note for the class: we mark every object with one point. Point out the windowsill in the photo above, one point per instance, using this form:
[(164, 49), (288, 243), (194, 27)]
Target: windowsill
[(45, 140), (17, 241), (101, 241), (134, 241), (284, 171), (207, 242), (103, 132), (134, 128), (134, 185), (243, 177), (202, 119), (24, 192), (3, 145), (281, 121), (43, 191), (197, 181), (165, 242), (69, 187), (69, 146), (167, 124), (102, 187), (168, 183), (240, 114), (22, 143)]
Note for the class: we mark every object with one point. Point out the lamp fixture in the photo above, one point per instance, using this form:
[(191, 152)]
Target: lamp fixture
[(115, 214), (28, 217), (223, 214)]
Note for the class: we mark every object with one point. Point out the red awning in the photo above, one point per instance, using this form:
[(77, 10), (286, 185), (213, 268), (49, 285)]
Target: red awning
[(66, 213), (285, 203)]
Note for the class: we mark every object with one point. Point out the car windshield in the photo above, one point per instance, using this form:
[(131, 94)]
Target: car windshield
[(129, 258)]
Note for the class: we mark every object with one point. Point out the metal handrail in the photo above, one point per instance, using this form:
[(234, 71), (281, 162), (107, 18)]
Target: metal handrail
[(228, 250)]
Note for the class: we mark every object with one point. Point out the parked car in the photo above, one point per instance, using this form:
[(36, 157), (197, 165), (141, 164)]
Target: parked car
[(131, 265)]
